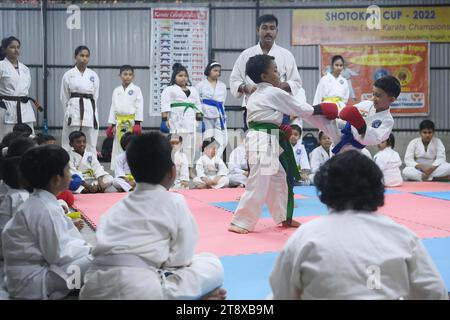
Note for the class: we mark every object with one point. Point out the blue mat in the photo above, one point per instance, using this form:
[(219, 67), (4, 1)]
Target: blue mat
[(443, 195), (439, 249), (309, 207), (247, 276), (311, 191)]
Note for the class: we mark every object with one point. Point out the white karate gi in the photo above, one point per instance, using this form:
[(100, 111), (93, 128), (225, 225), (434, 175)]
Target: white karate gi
[(125, 101), (211, 115), (389, 162), (3, 190), (122, 170), (339, 256), (15, 82), (318, 157), (182, 165), (331, 88), (181, 120), (155, 227), (379, 126), (266, 183), (210, 168), (42, 248), (434, 156), (237, 165), (87, 83), (83, 164), (301, 156)]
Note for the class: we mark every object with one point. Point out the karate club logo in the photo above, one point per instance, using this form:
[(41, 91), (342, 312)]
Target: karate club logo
[(130, 93), (404, 75)]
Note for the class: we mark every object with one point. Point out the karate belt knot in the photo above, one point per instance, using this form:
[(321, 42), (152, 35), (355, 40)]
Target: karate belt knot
[(347, 138), (219, 106), (19, 100), (83, 96)]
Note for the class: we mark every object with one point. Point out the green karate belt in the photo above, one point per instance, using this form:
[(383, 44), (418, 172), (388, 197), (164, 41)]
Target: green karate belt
[(186, 106), (287, 160)]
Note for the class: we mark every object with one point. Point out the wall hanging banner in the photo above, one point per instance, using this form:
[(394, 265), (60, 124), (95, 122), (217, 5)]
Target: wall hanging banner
[(177, 35), (366, 62), (319, 26)]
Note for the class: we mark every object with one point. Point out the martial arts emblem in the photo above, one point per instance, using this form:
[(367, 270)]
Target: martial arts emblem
[(92, 79), (298, 151), (341, 81), (130, 93), (376, 123), (89, 159)]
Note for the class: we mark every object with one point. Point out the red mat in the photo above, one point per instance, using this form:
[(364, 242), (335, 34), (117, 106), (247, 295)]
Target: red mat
[(423, 186)]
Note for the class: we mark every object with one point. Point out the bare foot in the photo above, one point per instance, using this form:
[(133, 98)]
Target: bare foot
[(291, 224), (217, 294), (237, 229)]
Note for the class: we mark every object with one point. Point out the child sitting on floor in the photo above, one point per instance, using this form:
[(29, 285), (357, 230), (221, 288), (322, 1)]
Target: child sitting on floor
[(238, 164), (181, 162), (211, 170), (321, 154), (146, 241), (354, 252), (85, 164), (124, 180), (301, 156), (41, 246), (389, 162)]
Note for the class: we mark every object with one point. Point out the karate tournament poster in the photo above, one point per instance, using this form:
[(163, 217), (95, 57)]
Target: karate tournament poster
[(177, 35), (367, 62)]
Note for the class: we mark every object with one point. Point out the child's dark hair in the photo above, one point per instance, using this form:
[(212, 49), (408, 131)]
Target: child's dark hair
[(76, 135), (296, 128), (126, 67), (390, 85), (24, 128), (321, 133), (426, 124), (126, 139), (391, 141), (81, 48), (180, 138), (350, 181), (207, 142), (5, 43), (39, 165), (257, 65), (149, 156), (41, 138), (6, 142), (176, 69), (266, 18), (11, 172), (336, 58), (209, 67)]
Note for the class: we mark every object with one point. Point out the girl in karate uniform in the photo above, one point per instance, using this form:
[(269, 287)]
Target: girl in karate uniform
[(389, 162), (321, 154), (79, 94), (15, 82), (213, 93), (333, 87), (181, 111)]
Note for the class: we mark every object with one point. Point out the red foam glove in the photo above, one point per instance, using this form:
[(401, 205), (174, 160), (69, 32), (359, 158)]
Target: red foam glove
[(137, 129), (67, 196), (287, 130), (329, 110), (109, 132), (352, 115)]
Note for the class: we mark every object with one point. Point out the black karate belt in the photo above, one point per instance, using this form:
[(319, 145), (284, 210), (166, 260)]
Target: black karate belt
[(83, 96), (19, 100)]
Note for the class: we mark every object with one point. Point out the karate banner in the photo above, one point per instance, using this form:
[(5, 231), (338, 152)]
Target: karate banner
[(177, 35), (373, 23), (366, 62)]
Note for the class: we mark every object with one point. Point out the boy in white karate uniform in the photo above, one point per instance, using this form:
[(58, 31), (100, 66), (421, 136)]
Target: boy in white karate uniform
[(354, 252), (181, 162), (45, 255), (146, 241), (425, 156), (79, 94), (270, 164), (124, 181), (301, 156), (85, 164), (127, 111), (213, 94), (15, 82), (211, 170), (367, 123), (238, 164), (389, 162), (320, 155)]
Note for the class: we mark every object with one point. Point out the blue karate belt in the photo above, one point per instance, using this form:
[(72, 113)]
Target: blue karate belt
[(219, 106), (347, 137), (286, 119)]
